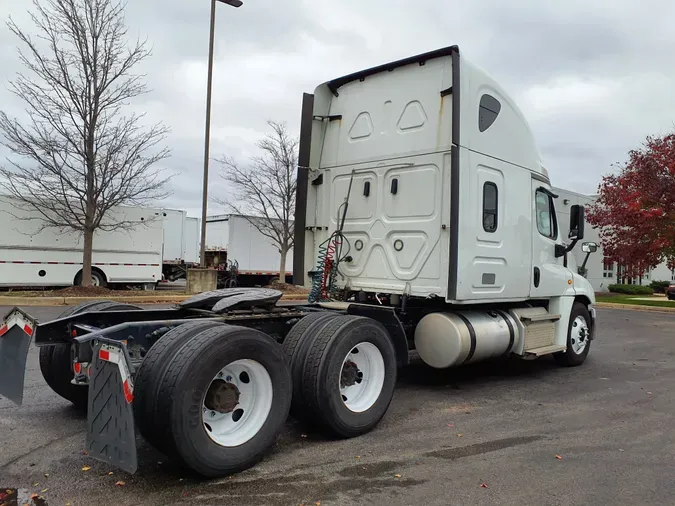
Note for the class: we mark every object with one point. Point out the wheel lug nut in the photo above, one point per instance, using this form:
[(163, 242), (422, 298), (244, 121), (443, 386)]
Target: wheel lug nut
[(213, 413), (229, 378)]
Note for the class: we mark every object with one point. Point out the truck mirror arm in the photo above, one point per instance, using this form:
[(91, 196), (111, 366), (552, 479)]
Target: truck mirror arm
[(562, 250)]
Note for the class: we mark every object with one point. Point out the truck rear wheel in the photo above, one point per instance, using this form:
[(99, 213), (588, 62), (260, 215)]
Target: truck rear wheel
[(149, 378), (225, 396), (349, 375), (56, 362), (295, 346), (578, 337)]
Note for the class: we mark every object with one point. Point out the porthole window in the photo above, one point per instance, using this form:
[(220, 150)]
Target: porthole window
[(488, 111)]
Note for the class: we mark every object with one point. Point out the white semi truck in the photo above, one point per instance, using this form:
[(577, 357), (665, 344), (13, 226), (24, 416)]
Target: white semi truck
[(425, 220)]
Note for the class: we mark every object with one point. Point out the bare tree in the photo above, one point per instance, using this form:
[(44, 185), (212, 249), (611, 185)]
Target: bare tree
[(77, 155), (264, 190)]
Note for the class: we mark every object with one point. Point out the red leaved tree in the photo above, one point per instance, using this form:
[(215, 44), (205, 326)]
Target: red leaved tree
[(635, 209)]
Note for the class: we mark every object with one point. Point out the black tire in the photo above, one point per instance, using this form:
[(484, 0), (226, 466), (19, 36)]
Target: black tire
[(56, 361), (149, 378), (100, 278), (295, 346), (570, 358), (671, 296), (185, 384), (322, 375)]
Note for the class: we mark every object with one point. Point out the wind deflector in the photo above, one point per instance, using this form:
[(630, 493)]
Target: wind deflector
[(335, 84)]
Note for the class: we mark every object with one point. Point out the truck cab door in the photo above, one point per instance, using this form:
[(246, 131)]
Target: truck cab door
[(549, 277)]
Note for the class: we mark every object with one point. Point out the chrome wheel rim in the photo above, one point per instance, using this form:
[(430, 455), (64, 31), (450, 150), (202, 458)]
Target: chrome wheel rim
[(579, 335)]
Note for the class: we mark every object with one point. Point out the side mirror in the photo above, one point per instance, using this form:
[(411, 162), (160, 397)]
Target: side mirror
[(589, 247), (576, 223)]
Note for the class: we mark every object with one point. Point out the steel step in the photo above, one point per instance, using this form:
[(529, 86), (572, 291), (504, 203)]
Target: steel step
[(546, 350)]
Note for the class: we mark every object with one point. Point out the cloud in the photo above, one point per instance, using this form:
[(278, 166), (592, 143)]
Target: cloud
[(593, 78)]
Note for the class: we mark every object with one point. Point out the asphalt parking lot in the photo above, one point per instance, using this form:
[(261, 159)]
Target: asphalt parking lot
[(486, 434)]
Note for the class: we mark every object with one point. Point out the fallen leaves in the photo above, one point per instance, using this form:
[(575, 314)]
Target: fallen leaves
[(460, 435), (483, 485), (86, 468), (317, 503), (120, 484), (110, 473), (558, 457), (34, 496), (43, 490), (397, 476), (451, 425)]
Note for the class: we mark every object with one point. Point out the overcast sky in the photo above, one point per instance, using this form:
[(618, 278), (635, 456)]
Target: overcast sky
[(592, 77)]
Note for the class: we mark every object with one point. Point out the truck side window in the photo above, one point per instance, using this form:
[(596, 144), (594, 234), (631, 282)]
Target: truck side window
[(489, 207), (488, 110), (546, 222)]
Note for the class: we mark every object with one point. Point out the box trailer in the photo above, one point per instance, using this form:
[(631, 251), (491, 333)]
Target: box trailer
[(33, 256), (181, 244), (235, 246), (425, 220)]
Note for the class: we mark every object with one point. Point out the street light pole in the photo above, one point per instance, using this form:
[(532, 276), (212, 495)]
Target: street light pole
[(207, 134)]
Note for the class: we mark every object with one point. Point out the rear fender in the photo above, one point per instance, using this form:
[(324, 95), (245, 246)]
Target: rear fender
[(16, 333)]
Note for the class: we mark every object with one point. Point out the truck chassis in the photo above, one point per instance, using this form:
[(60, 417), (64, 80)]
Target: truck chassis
[(211, 381)]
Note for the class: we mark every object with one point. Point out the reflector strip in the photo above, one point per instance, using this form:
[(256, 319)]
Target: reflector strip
[(115, 355), (77, 367), (16, 318), (128, 393), (51, 262)]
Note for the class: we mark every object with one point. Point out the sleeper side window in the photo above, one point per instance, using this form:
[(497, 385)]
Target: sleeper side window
[(488, 110), (545, 211), (490, 199)]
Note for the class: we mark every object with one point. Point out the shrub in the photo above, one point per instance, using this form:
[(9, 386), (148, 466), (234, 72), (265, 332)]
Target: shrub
[(631, 289), (659, 286)]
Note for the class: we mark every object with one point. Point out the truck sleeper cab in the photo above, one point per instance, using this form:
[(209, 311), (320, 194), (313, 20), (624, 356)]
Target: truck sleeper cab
[(430, 175)]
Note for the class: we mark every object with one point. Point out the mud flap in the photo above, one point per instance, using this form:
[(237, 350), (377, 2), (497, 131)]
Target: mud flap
[(111, 437), (16, 332)]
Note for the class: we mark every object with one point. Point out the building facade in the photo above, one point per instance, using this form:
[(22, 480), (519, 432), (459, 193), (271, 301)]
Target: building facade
[(601, 272)]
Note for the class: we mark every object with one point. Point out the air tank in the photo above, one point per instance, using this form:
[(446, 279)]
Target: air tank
[(451, 339)]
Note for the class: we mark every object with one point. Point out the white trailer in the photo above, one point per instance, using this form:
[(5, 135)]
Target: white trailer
[(31, 257), (236, 239), (181, 243)]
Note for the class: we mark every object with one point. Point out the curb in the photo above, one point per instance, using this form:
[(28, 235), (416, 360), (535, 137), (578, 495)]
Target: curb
[(635, 307), (141, 299)]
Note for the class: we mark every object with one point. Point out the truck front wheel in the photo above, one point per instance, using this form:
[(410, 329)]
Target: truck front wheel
[(349, 375), (578, 337)]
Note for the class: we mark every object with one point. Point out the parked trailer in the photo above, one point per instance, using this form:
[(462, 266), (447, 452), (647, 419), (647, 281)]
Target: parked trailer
[(34, 257), (181, 244), (235, 245), (434, 227)]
